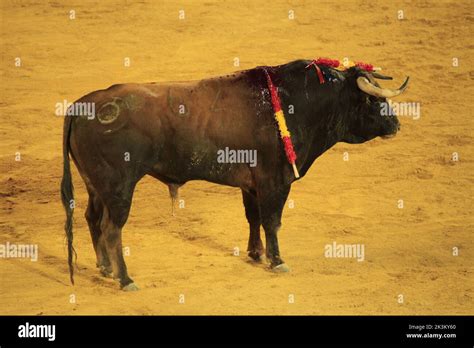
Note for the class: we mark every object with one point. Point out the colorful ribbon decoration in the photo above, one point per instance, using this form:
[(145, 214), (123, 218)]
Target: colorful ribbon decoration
[(334, 63), (280, 118)]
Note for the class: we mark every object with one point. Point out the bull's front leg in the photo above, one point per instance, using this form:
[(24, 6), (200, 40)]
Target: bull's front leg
[(271, 202)]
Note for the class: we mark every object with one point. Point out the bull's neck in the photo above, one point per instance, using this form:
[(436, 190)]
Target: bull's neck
[(317, 122)]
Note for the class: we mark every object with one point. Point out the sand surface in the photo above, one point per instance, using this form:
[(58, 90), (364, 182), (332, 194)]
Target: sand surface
[(408, 251)]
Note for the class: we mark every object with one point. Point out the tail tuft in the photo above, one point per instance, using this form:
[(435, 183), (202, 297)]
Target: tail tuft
[(173, 189)]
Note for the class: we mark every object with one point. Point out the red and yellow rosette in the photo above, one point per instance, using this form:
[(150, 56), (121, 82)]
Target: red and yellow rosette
[(336, 64), (280, 118)]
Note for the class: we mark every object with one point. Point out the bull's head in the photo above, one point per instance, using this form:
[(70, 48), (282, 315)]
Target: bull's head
[(367, 99)]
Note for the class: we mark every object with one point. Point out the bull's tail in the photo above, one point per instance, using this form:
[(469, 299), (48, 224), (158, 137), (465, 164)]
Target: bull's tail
[(173, 190), (67, 195)]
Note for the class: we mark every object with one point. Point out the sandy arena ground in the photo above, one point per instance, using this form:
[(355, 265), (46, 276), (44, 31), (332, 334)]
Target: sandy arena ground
[(408, 251)]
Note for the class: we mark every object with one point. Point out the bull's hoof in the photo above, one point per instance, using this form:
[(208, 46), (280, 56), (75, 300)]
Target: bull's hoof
[(130, 287), (106, 271), (281, 268), (255, 256)]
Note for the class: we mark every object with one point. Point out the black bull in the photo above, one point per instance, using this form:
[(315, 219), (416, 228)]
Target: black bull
[(173, 132)]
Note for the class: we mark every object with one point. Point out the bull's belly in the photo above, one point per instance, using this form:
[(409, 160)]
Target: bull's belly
[(174, 165)]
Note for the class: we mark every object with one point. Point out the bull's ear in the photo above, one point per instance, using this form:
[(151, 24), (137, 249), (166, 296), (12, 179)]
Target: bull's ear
[(353, 73)]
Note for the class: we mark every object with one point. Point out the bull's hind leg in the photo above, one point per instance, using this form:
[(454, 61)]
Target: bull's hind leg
[(114, 217), (271, 202), (93, 215), (255, 246)]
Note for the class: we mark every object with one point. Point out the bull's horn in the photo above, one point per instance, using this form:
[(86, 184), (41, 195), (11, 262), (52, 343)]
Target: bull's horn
[(381, 77), (371, 89)]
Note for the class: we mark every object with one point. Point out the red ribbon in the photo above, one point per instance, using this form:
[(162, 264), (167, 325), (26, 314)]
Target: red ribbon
[(273, 93), (333, 63), (365, 66), (320, 74), (290, 152)]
